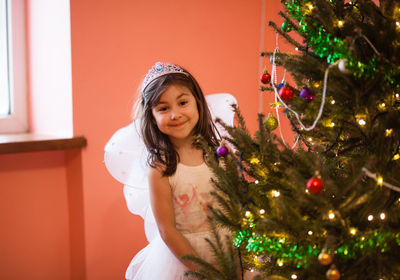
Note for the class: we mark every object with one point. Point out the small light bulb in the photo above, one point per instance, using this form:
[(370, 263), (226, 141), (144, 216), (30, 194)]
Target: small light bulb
[(332, 124), (397, 95), (276, 193), (306, 191), (362, 238), (397, 23), (294, 276), (310, 6), (280, 263), (370, 218), (383, 105), (380, 180), (388, 132), (254, 160), (310, 232), (361, 122), (331, 215), (281, 240), (396, 157), (296, 48), (333, 101), (256, 182), (262, 211), (309, 139), (251, 270), (353, 231), (248, 214), (340, 23), (382, 216)]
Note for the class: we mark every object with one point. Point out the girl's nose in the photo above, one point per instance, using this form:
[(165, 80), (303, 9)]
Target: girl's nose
[(174, 115)]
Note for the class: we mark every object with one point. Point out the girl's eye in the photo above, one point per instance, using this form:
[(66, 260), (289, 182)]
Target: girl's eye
[(183, 102), (161, 109)]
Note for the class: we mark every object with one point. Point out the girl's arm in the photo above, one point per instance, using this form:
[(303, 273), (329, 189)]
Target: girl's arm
[(161, 203)]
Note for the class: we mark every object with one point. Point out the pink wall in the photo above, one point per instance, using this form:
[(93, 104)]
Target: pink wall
[(62, 215)]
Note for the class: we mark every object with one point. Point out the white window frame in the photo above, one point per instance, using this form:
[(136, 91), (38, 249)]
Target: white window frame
[(4, 78), (17, 121)]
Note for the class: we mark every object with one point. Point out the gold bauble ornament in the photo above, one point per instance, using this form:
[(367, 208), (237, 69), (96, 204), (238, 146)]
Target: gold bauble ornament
[(333, 273), (325, 258), (270, 122)]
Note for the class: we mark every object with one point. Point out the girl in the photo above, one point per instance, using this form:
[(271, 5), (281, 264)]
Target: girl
[(173, 112)]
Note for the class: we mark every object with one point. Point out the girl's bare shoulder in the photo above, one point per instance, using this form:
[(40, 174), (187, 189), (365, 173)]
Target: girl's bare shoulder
[(156, 173)]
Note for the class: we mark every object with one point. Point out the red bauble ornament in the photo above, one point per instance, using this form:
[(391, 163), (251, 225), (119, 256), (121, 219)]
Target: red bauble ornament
[(286, 93), (315, 185), (265, 78)]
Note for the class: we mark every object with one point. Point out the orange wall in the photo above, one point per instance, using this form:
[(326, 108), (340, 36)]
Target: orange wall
[(113, 45), (34, 218), (62, 215)]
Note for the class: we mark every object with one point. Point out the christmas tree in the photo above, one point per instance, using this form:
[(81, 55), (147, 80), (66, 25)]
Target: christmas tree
[(328, 207)]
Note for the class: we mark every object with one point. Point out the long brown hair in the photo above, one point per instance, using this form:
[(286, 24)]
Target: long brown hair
[(161, 150)]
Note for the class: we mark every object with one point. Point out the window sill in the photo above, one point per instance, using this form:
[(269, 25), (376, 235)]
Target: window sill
[(30, 142)]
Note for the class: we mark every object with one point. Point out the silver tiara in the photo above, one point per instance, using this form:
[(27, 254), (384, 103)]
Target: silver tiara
[(160, 69)]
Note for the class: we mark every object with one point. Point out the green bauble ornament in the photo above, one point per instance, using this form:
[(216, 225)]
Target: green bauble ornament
[(270, 122), (286, 26)]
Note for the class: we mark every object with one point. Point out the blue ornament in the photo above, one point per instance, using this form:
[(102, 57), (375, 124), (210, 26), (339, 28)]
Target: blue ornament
[(307, 94), (280, 85), (159, 66)]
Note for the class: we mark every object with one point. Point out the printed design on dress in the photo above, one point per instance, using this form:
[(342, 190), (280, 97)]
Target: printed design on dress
[(192, 203), (183, 200)]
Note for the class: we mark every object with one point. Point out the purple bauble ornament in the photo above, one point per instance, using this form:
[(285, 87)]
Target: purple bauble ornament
[(222, 151), (307, 94)]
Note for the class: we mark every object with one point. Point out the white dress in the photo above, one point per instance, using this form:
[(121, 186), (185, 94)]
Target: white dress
[(191, 188)]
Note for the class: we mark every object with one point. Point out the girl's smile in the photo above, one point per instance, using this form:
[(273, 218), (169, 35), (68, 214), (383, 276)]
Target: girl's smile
[(178, 125)]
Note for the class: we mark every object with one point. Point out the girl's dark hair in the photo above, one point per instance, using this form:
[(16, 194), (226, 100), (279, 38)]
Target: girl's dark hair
[(161, 150)]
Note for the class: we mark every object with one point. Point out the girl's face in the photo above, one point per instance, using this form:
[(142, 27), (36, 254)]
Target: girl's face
[(176, 113)]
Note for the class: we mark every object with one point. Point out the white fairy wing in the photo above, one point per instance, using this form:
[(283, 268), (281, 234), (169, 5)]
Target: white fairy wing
[(126, 156), (220, 106), (126, 159)]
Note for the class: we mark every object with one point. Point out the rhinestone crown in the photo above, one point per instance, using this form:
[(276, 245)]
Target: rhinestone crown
[(160, 69)]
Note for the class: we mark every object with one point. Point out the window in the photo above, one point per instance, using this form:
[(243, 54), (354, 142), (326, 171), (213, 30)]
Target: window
[(13, 108), (5, 106)]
